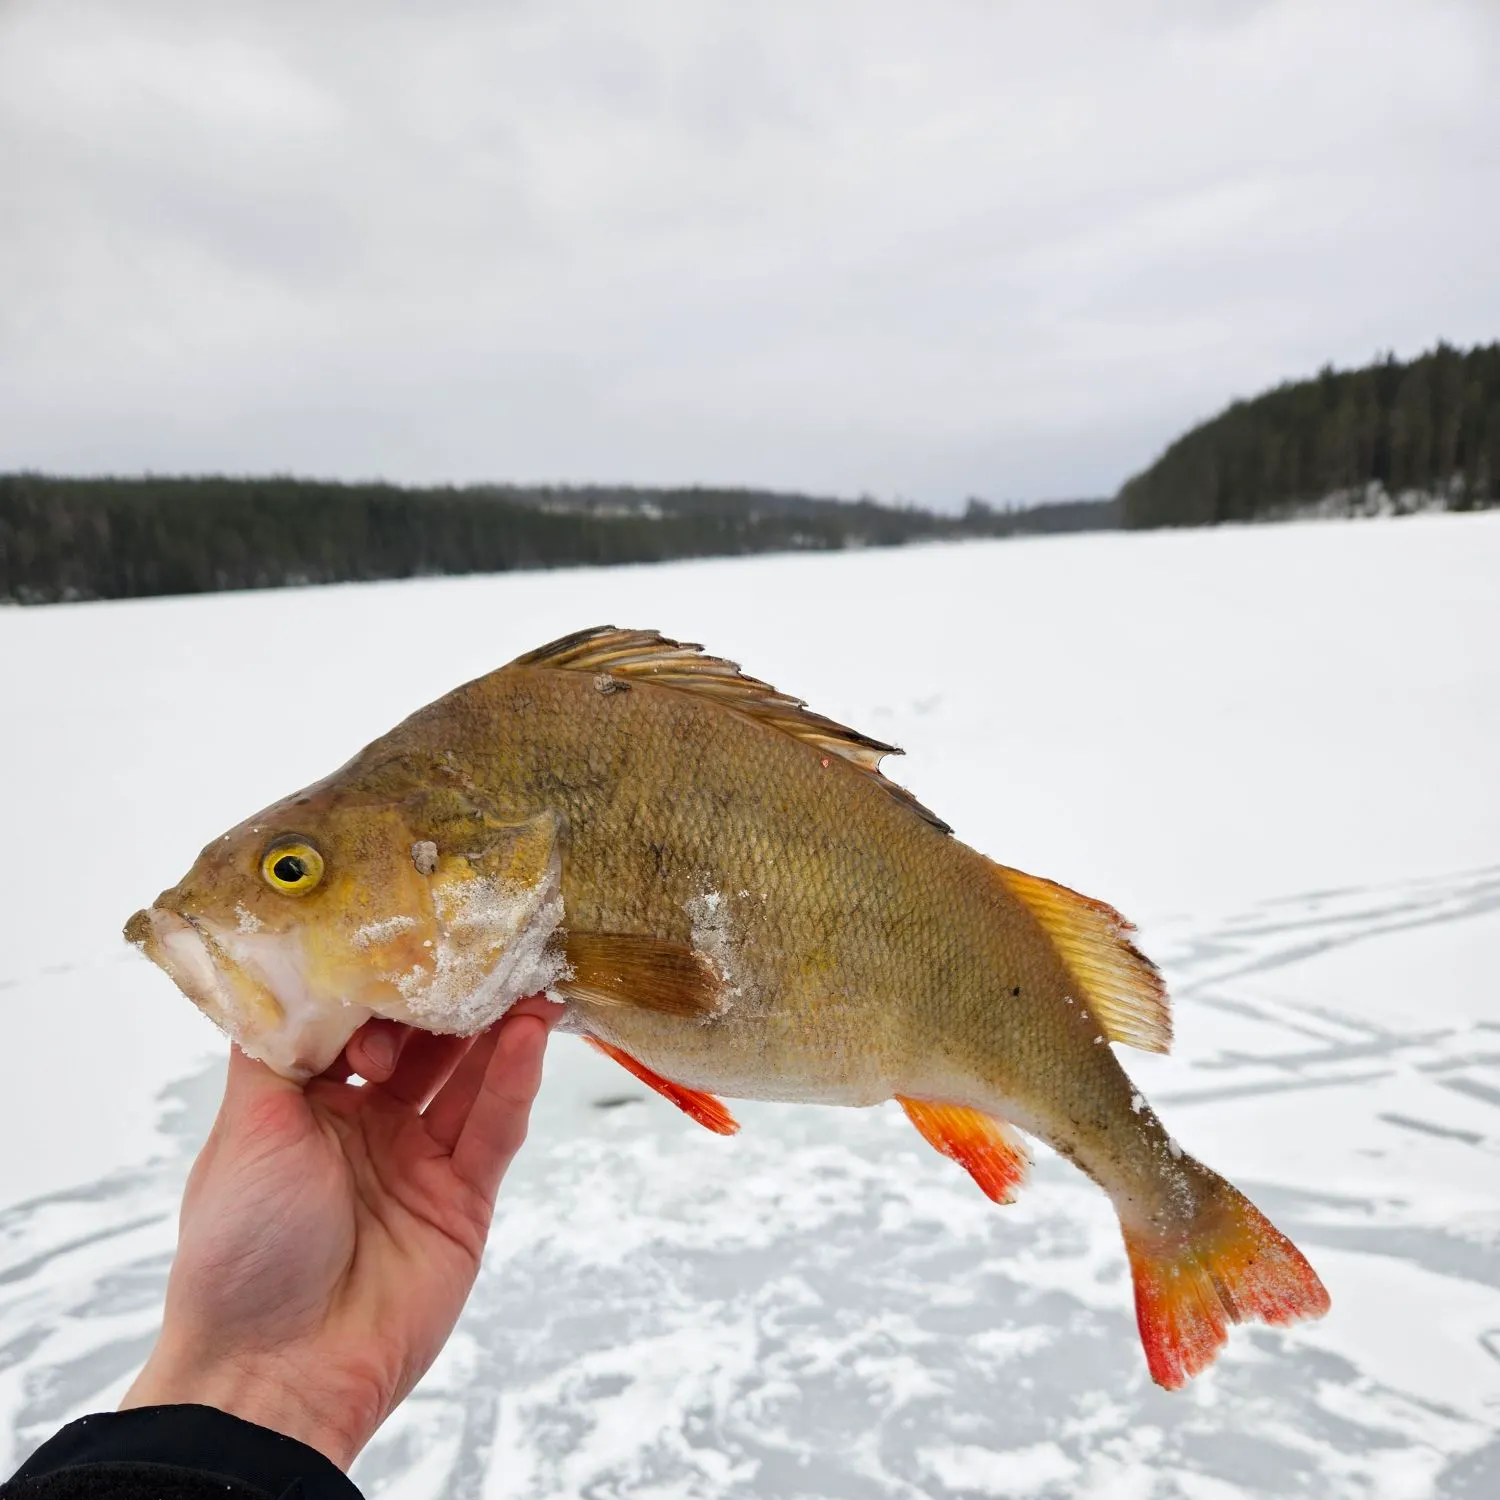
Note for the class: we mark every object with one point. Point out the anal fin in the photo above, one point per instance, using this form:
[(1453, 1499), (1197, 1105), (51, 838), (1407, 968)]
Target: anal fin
[(704, 1108), (989, 1150)]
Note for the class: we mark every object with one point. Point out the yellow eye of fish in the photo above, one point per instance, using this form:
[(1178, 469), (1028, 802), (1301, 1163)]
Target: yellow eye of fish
[(293, 868)]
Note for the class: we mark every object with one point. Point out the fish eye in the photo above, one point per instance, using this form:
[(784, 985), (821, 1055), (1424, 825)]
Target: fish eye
[(292, 866)]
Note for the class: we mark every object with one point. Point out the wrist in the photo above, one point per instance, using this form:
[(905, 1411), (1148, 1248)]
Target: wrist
[(269, 1391)]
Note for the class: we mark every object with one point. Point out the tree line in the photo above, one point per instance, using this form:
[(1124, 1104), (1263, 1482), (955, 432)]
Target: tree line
[(1393, 435), (63, 538)]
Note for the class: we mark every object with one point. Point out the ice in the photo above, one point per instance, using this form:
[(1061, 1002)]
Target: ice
[(1273, 748), (1022, 1471), (382, 931), (466, 988), (712, 936)]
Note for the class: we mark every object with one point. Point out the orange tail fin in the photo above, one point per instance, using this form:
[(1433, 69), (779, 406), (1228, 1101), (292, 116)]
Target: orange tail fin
[(1230, 1266)]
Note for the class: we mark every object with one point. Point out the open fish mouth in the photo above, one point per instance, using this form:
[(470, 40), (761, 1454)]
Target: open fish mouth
[(284, 1027)]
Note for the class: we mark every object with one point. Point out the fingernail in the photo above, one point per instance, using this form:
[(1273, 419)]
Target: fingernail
[(380, 1050)]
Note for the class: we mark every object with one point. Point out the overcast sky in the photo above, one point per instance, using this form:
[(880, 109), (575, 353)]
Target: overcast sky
[(920, 249)]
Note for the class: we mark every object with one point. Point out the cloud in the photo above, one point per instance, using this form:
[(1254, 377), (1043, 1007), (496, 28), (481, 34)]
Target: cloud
[(930, 251)]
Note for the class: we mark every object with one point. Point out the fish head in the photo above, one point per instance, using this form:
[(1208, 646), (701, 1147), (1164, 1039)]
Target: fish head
[(295, 927)]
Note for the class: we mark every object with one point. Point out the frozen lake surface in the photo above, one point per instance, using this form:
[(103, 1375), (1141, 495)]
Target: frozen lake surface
[(1275, 748)]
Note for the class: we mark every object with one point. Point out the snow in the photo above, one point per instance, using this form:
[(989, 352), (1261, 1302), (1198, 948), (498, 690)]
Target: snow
[(1272, 747)]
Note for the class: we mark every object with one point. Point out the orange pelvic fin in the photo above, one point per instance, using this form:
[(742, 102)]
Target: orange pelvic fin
[(1231, 1266), (704, 1108), (989, 1150)]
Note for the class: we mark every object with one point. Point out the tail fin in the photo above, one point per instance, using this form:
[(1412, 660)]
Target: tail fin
[(1230, 1265)]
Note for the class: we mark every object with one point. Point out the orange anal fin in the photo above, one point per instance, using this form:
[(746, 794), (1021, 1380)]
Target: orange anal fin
[(704, 1108), (989, 1150), (1233, 1266)]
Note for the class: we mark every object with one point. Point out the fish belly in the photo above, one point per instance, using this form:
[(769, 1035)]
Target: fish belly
[(784, 1054)]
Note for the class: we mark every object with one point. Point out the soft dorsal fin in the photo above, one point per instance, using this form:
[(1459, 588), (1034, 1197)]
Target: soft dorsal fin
[(623, 655), (1115, 980)]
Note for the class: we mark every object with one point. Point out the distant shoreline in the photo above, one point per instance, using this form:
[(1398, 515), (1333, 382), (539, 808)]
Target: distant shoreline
[(1390, 439), (65, 539)]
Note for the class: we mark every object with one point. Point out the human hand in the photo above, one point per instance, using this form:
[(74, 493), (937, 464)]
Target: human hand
[(330, 1234)]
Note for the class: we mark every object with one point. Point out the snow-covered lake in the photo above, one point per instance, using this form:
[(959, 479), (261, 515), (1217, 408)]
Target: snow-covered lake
[(1275, 748)]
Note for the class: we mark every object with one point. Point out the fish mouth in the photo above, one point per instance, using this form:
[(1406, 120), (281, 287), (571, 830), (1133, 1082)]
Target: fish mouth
[(283, 1026)]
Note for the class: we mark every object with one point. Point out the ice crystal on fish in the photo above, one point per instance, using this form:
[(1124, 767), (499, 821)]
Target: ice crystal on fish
[(713, 940), (494, 948), (373, 933)]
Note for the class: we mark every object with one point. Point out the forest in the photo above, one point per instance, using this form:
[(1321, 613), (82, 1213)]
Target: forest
[(65, 539), (1388, 438), (1391, 437)]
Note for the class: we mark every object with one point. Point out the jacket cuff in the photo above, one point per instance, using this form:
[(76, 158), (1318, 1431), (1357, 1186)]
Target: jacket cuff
[(194, 1437)]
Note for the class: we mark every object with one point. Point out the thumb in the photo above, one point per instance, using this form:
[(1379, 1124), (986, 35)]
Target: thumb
[(252, 1086), (255, 1097)]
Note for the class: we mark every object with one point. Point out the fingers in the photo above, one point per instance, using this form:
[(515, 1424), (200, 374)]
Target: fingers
[(540, 1006), (426, 1061), (446, 1114), (375, 1049), (340, 1070), (496, 1123)]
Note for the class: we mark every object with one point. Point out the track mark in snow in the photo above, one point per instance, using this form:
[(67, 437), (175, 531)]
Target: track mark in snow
[(1251, 1090), (1428, 1127), (1473, 1088)]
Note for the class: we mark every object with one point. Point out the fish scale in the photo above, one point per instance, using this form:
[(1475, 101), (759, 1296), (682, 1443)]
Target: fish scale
[(734, 901)]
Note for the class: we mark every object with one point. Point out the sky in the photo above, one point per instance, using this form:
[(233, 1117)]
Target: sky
[(920, 252)]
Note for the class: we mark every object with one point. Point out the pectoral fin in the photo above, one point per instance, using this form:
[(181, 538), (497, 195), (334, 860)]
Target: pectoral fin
[(989, 1150), (621, 969), (704, 1108)]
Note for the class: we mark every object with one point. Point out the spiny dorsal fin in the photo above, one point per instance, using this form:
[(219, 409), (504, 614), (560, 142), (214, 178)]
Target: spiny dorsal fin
[(1115, 980), (643, 654)]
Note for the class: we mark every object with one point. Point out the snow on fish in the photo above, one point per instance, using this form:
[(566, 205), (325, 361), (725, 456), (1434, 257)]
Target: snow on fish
[(732, 900)]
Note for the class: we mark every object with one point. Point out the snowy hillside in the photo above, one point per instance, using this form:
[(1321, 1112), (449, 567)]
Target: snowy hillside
[(1275, 748)]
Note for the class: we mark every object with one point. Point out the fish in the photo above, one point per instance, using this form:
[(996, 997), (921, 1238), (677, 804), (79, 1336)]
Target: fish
[(732, 901)]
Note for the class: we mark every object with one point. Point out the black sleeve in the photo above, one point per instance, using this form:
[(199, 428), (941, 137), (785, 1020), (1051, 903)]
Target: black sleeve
[(175, 1453)]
